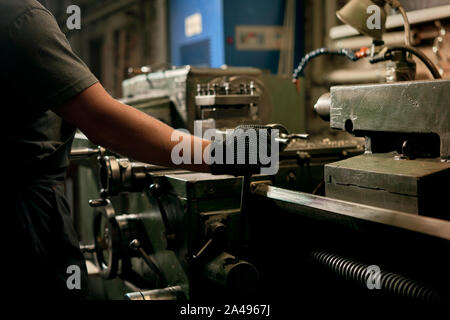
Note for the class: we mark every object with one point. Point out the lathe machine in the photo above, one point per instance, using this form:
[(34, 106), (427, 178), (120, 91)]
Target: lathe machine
[(363, 218)]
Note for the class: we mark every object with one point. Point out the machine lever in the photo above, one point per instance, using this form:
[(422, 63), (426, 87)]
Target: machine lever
[(98, 203), (88, 248), (218, 235), (244, 216), (136, 245), (203, 249), (102, 202), (155, 191), (82, 153)]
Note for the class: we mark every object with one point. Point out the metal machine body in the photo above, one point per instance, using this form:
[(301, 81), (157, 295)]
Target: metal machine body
[(169, 234), (231, 101), (302, 162), (406, 127), (336, 243), (180, 86), (185, 227), (172, 96), (390, 114), (418, 186)]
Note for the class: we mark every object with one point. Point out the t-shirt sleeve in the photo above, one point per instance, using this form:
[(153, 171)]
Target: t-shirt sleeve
[(49, 70)]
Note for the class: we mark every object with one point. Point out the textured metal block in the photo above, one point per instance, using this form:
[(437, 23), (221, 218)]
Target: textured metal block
[(414, 186)]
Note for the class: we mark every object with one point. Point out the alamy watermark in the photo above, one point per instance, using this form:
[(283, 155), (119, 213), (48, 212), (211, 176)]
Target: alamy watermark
[(74, 19), (374, 277), (250, 147), (374, 20), (74, 277)]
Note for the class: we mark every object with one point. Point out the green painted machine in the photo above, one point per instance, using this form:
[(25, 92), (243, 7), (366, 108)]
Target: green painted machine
[(157, 233), (152, 233), (174, 232)]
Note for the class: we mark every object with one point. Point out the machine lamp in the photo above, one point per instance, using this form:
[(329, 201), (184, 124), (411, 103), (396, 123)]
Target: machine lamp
[(356, 14)]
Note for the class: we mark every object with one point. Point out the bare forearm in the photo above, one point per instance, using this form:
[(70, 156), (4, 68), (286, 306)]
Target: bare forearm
[(144, 138), (125, 130)]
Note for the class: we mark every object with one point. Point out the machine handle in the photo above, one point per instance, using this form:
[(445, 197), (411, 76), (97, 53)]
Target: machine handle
[(218, 234), (98, 203), (82, 153), (88, 248), (136, 246), (155, 191)]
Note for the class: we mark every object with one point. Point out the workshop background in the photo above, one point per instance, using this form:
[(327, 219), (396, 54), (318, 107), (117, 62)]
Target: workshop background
[(165, 56), (117, 35)]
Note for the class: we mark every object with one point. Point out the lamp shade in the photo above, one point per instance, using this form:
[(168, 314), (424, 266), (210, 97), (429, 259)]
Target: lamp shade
[(357, 14)]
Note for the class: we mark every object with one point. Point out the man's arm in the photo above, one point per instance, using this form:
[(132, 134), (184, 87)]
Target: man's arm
[(124, 129)]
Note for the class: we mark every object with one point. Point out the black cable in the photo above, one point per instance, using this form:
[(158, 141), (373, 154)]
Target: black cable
[(299, 72), (430, 65)]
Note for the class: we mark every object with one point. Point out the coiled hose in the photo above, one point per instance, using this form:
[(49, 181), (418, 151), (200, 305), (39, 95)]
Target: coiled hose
[(391, 282), (299, 71)]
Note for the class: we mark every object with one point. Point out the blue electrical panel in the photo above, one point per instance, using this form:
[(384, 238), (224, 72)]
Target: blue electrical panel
[(212, 33), (205, 49)]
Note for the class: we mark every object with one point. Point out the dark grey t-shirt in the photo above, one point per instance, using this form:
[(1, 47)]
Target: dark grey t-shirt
[(38, 72)]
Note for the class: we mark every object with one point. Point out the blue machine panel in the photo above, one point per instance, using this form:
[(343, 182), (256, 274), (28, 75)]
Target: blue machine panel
[(219, 21), (251, 12), (196, 54), (211, 12)]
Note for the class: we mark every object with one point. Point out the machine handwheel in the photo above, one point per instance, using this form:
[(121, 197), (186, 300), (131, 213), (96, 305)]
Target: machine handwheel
[(107, 241)]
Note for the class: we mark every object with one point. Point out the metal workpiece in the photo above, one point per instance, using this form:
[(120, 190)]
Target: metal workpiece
[(355, 216), (417, 108)]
